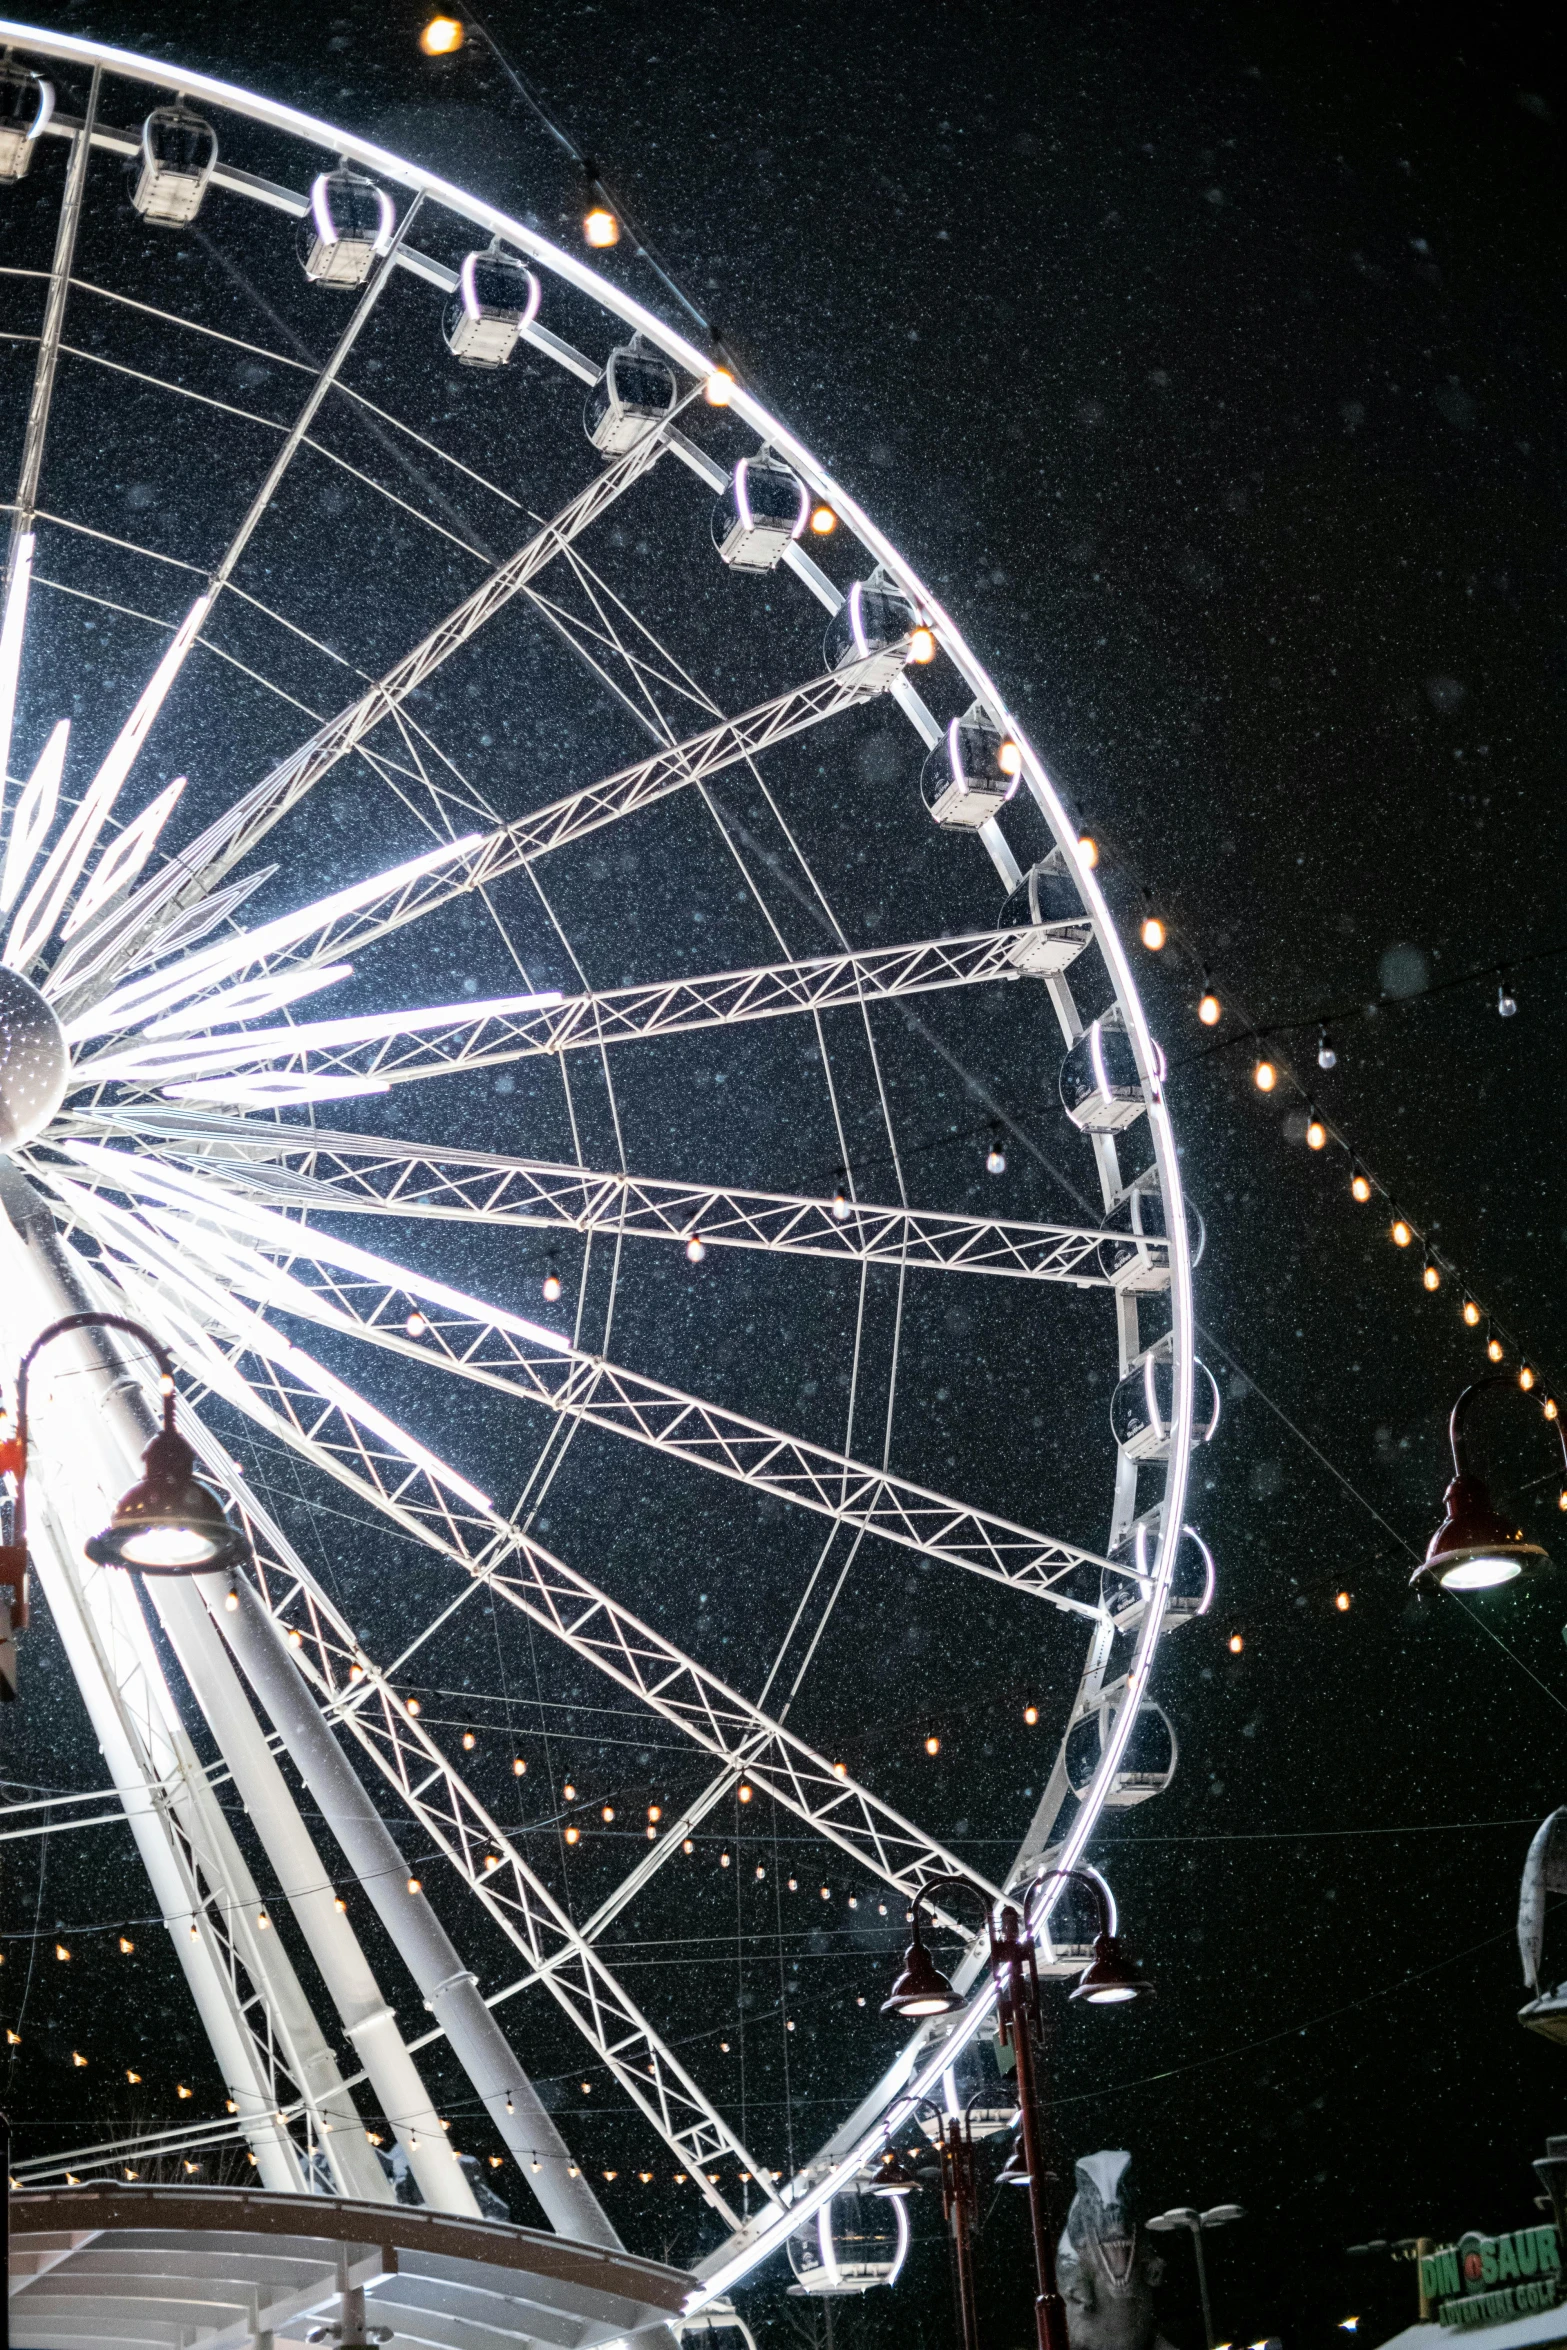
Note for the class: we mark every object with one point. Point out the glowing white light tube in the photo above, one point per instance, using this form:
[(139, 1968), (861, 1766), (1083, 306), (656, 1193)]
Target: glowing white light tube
[(132, 1004), (12, 629), (151, 1062), (250, 1001), (35, 814)]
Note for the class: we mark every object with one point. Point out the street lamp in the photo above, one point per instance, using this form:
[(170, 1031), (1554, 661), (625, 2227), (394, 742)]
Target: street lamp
[(959, 2198), (1183, 2216), (1474, 1548), (168, 1523), (922, 1990)]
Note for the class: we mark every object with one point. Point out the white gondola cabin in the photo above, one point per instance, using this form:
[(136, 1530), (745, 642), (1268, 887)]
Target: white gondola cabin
[(971, 773), (636, 392), (1142, 1407), (496, 298), (1147, 1763), (349, 226), (26, 103), (762, 511), (1047, 914), (1192, 1578), (856, 2241), (873, 624), (1127, 1258), (179, 153), (1101, 1091)]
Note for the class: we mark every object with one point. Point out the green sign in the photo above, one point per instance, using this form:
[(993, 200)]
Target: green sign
[(1485, 2280)]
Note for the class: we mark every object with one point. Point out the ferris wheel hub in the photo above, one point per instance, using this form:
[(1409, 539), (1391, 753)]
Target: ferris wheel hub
[(34, 1062)]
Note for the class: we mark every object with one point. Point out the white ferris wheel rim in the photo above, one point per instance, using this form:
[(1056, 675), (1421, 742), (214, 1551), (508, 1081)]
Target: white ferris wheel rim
[(721, 2271)]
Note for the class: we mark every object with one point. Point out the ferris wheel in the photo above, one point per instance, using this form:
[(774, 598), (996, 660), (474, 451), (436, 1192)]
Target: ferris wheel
[(461, 755)]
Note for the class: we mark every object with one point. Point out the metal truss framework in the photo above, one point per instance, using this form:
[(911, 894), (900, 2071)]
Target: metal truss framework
[(318, 1170), (212, 1282)]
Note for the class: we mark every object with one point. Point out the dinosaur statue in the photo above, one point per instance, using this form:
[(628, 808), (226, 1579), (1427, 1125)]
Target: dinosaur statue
[(1107, 2267)]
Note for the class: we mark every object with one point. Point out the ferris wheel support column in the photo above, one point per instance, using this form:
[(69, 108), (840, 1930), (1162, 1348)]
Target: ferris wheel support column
[(306, 1883), (450, 1991)]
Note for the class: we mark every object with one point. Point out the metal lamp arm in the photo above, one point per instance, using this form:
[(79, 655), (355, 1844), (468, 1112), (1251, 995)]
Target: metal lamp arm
[(1061, 1876), (69, 1322), (947, 1884), (1457, 1426)]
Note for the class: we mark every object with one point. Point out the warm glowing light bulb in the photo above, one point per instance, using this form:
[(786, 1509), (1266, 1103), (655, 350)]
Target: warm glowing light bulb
[(933, 1744), (1210, 1010), (1341, 1602), (655, 1811), (1031, 1715), (1236, 1644), (823, 521), (719, 388), (1265, 1077), (922, 646), (1316, 1135), (443, 36), (745, 1791), (1551, 1408), (1153, 934), (1471, 1312), (1360, 1186), (687, 1845), (519, 1769), (1401, 1235), (1495, 1349), (414, 1885), (573, 1835), (1525, 1377), (1432, 1277), (126, 1945), (416, 1325), (606, 1813), (551, 1286), (468, 1742), (1561, 1499), (995, 1160), (696, 1249), (600, 227), (569, 1792), (1088, 852), (1010, 759)]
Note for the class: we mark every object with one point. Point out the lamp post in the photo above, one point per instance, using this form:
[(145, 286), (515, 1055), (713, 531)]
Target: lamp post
[(168, 1523), (1183, 2216), (1474, 1548), (959, 2200), (1110, 1978)]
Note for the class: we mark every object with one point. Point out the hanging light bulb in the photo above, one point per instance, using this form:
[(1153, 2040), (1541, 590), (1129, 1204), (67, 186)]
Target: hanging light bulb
[(1431, 1276), (573, 1835), (995, 1157), (1471, 1312), (468, 1742), (416, 1325), (1210, 1010), (719, 388), (1506, 1001), (1360, 1185), (600, 227), (551, 1283), (1341, 1602), (823, 521), (1525, 1377), (1087, 852), (231, 1600), (840, 1205), (1153, 933), (1264, 1077), (745, 1791), (1550, 1408), (1494, 1348), (443, 36), (1400, 1234), (1316, 1133), (933, 1744), (1236, 1644), (922, 646), (1010, 759), (1327, 1058), (696, 1249), (1031, 1715)]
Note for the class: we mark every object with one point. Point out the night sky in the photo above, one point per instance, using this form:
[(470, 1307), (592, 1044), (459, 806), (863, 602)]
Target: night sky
[(1208, 363)]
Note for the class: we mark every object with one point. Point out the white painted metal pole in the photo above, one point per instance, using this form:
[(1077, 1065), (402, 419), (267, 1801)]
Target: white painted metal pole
[(305, 1882), (451, 1992)]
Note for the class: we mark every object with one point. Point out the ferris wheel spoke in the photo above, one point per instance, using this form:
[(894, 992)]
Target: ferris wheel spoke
[(216, 851), (313, 1168), (227, 1249), (334, 1060)]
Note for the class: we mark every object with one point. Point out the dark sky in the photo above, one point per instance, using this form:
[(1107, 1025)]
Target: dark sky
[(1209, 362)]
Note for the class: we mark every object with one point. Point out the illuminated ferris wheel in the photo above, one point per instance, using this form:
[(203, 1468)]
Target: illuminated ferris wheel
[(459, 753)]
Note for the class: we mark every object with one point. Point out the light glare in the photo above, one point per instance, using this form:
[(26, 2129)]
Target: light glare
[(600, 227), (443, 36)]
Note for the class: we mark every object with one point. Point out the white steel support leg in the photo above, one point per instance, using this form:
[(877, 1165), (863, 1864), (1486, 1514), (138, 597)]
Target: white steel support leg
[(335, 1947), (86, 1439), (450, 1992)]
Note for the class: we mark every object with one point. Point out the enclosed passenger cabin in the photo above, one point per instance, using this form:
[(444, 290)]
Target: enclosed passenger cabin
[(26, 103), (854, 2242), (1147, 1763), (971, 773), (636, 392), (873, 625), (1192, 1577), (1101, 1091), (761, 512), (1135, 1257), (178, 154), (1047, 914), (349, 226), (496, 298), (1065, 1943), (1141, 1409)]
